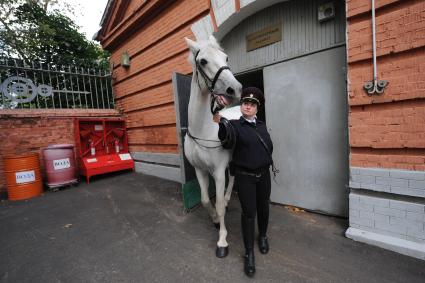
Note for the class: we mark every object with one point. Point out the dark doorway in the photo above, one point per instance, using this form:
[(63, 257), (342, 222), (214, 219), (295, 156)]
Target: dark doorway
[(254, 79)]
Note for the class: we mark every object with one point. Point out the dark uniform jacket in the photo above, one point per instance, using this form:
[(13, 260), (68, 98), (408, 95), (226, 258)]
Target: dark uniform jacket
[(249, 153)]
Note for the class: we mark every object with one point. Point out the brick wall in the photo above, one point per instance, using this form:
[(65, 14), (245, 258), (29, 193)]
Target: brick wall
[(387, 131), (144, 91), (24, 131)]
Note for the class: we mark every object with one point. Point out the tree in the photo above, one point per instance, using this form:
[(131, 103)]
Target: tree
[(33, 33), (30, 31)]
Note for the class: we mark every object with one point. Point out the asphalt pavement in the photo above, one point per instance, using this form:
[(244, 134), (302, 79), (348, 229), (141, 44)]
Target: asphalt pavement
[(130, 227)]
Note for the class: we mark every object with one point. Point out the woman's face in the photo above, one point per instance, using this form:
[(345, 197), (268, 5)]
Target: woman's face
[(249, 109)]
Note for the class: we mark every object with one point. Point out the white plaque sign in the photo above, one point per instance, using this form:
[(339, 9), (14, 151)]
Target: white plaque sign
[(61, 164), (25, 177), (125, 156)]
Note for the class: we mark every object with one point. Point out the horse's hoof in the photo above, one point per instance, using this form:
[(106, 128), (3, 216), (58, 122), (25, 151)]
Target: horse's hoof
[(221, 252), (217, 226)]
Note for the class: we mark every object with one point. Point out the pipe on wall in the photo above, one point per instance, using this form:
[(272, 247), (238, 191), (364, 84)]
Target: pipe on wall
[(376, 86)]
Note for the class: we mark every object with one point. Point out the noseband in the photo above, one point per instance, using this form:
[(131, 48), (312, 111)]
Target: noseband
[(210, 83)]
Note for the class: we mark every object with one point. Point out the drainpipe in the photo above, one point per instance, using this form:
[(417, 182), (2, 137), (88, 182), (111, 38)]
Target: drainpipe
[(376, 86)]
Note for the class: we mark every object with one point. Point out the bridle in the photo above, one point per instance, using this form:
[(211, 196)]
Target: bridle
[(210, 83)]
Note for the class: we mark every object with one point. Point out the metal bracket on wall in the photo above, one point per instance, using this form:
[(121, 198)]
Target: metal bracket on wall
[(375, 87)]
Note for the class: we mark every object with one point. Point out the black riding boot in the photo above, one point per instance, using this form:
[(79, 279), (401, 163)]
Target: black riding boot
[(263, 222), (248, 231), (263, 244)]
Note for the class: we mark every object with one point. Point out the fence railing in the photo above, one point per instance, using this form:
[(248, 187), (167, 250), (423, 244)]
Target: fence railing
[(50, 86)]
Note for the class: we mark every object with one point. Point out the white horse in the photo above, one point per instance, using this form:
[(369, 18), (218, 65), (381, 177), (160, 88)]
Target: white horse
[(212, 84)]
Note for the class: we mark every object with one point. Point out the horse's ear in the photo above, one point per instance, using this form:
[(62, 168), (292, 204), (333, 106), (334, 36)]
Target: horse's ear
[(193, 45), (214, 42)]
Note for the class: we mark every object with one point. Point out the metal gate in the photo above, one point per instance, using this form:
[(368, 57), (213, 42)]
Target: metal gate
[(306, 109), (52, 86), (181, 89)]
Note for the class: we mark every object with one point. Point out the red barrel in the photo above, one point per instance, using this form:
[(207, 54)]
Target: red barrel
[(23, 176), (59, 161)]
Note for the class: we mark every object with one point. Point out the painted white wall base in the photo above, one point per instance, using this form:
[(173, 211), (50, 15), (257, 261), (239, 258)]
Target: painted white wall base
[(161, 171), (401, 246)]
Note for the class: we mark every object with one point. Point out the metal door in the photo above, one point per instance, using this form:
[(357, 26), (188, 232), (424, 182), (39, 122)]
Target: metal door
[(181, 89), (190, 185), (306, 109)]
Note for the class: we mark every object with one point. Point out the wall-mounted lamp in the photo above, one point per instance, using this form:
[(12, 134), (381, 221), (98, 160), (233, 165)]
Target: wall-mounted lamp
[(125, 60)]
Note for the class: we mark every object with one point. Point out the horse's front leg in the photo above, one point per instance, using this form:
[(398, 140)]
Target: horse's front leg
[(203, 179), (229, 189), (220, 205)]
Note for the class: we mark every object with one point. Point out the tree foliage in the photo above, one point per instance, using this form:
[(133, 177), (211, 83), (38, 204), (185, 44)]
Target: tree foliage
[(31, 32)]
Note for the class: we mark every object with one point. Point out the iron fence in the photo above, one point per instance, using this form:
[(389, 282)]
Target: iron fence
[(52, 86)]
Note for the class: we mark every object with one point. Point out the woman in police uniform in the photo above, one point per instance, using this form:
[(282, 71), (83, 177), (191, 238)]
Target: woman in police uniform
[(251, 159)]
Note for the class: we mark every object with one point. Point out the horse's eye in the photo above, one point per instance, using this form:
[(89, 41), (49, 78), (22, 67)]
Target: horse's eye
[(204, 62), (227, 59)]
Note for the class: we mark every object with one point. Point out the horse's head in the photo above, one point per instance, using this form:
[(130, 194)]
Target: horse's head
[(214, 76)]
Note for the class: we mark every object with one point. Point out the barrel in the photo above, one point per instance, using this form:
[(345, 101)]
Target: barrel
[(59, 161), (23, 176)]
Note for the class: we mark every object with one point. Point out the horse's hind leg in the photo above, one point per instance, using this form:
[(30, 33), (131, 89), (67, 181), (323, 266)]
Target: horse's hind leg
[(220, 205), (229, 189), (203, 180)]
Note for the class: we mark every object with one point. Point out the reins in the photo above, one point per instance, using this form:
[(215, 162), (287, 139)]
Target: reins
[(195, 139)]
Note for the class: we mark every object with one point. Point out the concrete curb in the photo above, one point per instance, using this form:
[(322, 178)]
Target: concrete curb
[(405, 247)]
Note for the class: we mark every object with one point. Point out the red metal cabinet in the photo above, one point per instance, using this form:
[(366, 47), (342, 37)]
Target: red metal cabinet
[(102, 146)]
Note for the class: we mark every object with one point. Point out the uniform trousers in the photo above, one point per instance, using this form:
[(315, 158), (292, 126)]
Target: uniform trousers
[(254, 196)]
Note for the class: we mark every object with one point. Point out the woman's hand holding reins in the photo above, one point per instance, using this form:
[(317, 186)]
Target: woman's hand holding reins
[(216, 118)]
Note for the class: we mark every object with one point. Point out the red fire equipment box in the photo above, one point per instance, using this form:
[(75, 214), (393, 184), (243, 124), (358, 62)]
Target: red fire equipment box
[(102, 146)]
